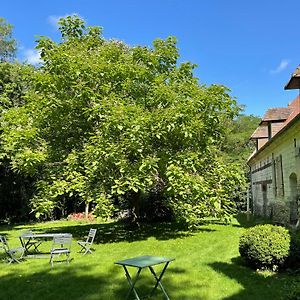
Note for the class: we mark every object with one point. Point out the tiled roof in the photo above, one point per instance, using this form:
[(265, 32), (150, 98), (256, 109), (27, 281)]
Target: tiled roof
[(276, 114), (294, 82), (295, 107), (260, 133), (283, 116)]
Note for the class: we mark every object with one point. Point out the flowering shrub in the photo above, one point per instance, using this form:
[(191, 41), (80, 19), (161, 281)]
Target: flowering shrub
[(81, 217)]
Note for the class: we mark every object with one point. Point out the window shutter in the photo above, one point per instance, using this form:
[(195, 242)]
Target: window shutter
[(274, 180), (279, 176)]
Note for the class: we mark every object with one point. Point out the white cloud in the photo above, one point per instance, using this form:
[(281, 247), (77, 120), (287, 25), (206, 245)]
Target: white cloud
[(32, 56), (282, 66), (53, 20)]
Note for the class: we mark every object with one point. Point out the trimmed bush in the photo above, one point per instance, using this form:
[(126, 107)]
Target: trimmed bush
[(265, 246)]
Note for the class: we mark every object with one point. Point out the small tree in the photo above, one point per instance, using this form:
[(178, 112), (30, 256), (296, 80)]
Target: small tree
[(7, 42)]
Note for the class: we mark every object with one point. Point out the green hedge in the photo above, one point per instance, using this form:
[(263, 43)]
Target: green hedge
[(265, 246)]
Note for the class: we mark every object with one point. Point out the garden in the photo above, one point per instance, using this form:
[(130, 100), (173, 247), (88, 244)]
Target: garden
[(207, 264), (129, 137)]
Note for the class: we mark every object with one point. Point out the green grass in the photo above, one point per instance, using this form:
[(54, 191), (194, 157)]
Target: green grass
[(207, 265)]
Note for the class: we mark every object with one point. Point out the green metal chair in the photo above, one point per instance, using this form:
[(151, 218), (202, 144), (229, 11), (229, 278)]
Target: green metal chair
[(86, 245), (14, 254), (61, 247)]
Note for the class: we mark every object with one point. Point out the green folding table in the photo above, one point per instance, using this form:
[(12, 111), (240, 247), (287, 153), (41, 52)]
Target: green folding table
[(143, 262)]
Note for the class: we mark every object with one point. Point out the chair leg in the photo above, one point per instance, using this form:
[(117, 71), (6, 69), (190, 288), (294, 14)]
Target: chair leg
[(12, 258), (51, 260), (88, 250)]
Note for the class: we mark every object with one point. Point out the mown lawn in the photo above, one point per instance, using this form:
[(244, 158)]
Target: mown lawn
[(207, 265)]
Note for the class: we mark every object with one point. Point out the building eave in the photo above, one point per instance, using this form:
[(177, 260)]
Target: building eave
[(276, 136)]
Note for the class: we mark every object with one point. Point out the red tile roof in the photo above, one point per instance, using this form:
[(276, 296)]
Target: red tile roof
[(260, 133), (276, 114), (295, 107), (294, 82), (280, 117)]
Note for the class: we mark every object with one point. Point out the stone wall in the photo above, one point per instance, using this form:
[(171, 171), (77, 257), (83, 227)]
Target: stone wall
[(270, 199)]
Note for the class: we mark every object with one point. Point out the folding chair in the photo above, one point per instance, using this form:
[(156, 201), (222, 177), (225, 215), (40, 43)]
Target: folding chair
[(61, 246), (30, 241), (86, 245), (14, 254)]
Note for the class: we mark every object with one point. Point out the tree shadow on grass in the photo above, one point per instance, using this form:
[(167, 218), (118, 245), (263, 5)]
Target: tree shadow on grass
[(78, 282), (248, 220), (119, 232), (61, 282), (254, 285), (176, 290)]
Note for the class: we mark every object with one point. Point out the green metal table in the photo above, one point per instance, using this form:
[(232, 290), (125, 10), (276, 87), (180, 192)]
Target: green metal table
[(142, 262), (26, 238)]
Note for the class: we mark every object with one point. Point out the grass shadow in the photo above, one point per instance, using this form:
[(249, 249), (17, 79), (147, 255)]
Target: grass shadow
[(248, 220), (119, 232), (61, 282), (81, 282), (254, 285)]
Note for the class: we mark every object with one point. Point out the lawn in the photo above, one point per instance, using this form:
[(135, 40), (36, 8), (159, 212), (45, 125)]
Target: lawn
[(207, 265)]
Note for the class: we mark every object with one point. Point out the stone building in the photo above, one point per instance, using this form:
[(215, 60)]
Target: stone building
[(275, 164)]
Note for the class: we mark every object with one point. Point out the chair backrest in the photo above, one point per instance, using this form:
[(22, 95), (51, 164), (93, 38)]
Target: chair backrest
[(91, 236), (26, 232), (62, 241), (4, 244)]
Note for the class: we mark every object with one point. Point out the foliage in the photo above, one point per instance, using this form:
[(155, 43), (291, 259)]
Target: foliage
[(294, 291), (293, 260), (106, 121), (15, 81), (209, 192), (265, 246), (7, 42), (280, 212), (236, 148), (236, 144), (15, 188)]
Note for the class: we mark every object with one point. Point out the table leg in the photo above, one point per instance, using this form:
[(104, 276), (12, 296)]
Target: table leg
[(158, 279), (132, 282), (24, 245)]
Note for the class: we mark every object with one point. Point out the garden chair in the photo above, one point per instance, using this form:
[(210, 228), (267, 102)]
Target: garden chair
[(14, 254), (61, 246), (86, 245), (30, 241)]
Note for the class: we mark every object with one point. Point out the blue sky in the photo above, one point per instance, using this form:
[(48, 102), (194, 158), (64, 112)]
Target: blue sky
[(252, 47)]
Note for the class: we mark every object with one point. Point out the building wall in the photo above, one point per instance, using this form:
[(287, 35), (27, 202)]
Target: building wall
[(261, 142), (270, 198)]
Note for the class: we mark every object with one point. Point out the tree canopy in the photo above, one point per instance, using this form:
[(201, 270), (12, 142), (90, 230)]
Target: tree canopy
[(7, 42), (236, 145), (106, 123)]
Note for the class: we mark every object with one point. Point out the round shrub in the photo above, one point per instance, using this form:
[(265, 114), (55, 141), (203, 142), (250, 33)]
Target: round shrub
[(265, 246)]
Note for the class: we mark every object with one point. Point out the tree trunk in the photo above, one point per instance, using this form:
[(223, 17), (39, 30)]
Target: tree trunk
[(135, 201), (87, 210)]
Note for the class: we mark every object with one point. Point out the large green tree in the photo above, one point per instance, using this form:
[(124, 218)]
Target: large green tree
[(15, 78), (107, 122)]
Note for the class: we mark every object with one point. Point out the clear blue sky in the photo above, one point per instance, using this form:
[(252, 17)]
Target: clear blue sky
[(250, 46)]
